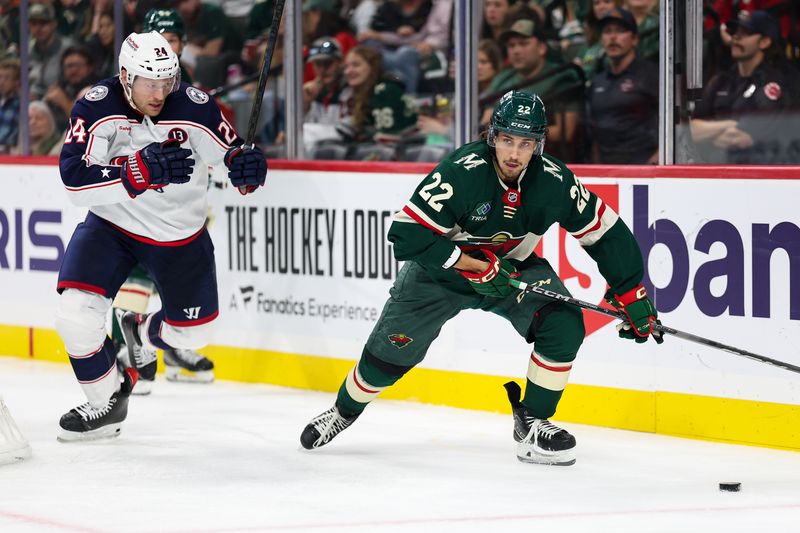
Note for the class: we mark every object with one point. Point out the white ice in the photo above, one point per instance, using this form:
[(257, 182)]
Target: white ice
[(226, 458)]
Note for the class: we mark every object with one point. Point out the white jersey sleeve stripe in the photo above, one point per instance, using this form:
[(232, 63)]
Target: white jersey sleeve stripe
[(603, 220), (92, 186)]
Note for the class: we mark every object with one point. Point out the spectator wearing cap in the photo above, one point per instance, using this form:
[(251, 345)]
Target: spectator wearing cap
[(319, 94), (742, 117), (46, 48), (530, 70), (591, 57), (327, 97), (321, 18), (623, 99)]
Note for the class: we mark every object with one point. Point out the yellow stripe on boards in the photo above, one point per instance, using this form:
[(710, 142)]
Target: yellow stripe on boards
[(47, 346), (14, 340), (749, 422)]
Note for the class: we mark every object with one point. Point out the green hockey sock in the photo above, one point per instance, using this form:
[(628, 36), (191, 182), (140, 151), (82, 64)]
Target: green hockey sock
[(368, 378)]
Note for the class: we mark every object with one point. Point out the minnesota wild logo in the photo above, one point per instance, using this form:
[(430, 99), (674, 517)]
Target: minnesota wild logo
[(400, 340)]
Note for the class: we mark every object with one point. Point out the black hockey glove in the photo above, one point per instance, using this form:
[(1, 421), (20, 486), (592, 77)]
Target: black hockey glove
[(247, 167), (494, 280), (640, 312), (156, 165)]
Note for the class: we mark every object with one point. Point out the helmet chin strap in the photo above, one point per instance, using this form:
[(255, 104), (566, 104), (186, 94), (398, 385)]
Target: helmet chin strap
[(127, 88)]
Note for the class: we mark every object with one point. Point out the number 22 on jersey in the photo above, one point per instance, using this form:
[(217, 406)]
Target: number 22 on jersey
[(435, 200)]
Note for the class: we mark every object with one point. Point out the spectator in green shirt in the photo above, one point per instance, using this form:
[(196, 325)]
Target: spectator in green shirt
[(209, 33), (527, 52)]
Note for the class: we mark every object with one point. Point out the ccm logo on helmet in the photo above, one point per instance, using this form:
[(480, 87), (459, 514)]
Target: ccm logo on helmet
[(520, 125)]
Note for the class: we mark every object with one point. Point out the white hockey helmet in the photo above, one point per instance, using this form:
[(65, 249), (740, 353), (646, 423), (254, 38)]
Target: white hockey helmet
[(148, 55)]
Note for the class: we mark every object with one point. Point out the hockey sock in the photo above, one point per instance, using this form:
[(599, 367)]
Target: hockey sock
[(150, 331), (116, 330), (368, 378), (134, 295), (545, 385)]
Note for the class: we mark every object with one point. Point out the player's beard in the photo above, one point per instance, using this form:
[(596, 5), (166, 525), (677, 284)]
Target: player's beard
[(507, 175)]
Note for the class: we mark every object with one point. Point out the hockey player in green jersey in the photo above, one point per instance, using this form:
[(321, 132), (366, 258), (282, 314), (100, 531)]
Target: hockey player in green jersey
[(470, 227)]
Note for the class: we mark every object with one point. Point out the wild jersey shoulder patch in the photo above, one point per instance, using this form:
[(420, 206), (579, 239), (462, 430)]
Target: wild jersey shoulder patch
[(196, 95), (98, 92)]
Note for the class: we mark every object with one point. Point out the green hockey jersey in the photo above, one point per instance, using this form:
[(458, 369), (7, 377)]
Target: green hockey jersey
[(391, 111), (463, 205)]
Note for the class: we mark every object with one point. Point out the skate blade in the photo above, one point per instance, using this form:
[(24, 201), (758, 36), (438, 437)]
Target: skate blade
[(178, 374), (541, 457), (143, 387), (17, 454), (106, 432)]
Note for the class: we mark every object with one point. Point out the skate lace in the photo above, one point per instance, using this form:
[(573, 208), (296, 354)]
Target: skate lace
[(547, 429), (88, 412), (190, 356), (329, 424), (143, 356)]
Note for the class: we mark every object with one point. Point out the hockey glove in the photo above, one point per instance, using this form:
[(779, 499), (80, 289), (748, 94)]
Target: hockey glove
[(156, 165), (494, 280), (247, 168), (640, 312)]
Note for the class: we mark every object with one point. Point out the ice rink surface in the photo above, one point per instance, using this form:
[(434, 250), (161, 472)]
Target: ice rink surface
[(226, 458)]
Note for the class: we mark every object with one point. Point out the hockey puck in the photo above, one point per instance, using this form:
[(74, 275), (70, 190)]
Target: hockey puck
[(730, 486)]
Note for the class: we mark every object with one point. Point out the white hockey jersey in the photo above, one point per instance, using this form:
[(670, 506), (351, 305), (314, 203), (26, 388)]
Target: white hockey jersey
[(105, 130)]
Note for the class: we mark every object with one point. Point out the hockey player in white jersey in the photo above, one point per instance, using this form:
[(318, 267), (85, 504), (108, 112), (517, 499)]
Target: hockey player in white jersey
[(137, 154)]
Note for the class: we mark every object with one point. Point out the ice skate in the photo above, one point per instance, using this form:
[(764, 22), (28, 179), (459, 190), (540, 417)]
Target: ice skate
[(539, 440), (85, 422), (323, 428), (188, 366), (134, 355)]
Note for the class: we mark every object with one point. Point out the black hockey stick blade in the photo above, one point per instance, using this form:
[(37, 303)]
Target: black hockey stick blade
[(659, 327), (266, 62), (514, 393)]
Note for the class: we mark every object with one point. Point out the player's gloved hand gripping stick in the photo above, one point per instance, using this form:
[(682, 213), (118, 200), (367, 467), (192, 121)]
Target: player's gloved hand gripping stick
[(247, 167), (494, 281), (156, 165), (640, 314), (656, 325)]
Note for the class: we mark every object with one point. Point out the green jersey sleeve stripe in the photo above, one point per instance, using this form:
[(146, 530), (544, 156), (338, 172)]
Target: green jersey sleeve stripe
[(421, 218)]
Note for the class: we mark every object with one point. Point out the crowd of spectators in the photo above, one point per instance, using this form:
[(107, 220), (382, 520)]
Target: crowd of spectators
[(378, 76)]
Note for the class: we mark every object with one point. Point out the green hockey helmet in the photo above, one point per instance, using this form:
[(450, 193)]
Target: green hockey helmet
[(519, 113), (163, 20)]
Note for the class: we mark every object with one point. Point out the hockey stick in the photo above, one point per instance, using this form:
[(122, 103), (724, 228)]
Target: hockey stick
[(525, 287), (266, 62)]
